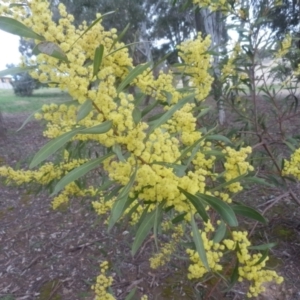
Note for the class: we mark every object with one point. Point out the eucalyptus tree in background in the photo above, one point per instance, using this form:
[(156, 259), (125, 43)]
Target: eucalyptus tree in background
[(285, 18), (214, 24), (172, 24)]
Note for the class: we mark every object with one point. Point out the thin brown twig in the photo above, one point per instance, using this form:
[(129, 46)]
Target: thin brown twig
[(274, 201), (294, 197), (86, 244)]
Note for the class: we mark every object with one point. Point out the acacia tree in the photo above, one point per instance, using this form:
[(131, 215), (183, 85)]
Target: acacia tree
[(164, 170)]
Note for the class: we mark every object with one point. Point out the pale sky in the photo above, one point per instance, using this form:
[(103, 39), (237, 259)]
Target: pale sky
[(9, 49)]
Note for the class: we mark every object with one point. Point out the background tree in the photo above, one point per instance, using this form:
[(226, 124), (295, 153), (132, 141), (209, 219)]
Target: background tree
[(285, 18), (23, 84)]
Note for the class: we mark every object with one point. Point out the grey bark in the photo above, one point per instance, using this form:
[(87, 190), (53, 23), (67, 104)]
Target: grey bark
[(213, 24)]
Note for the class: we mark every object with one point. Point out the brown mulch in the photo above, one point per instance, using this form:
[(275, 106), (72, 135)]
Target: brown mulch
[(53, 255)]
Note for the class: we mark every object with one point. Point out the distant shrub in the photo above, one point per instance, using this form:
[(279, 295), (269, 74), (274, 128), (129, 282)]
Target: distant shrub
[(23, 84)]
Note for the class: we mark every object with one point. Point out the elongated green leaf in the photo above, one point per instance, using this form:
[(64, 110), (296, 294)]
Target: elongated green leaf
[(248, 212), (15, 27), (143, 215), (234, 276), (218, 137), (263, 257), (92, 25), (199, 243), (258, 181), (79, 172), (191, 157), (106, 185), (138, 98), (120, 205), (290, 146), (112, 193), (220, 233), (179, 218), (131, 294), (204, 112), (143, 231), (52, 147), (29, 118), (51, 49), (214, 153), (123, 47), (263, 246), (118, 151), (84, 110), (17, 5), (122, 202), (178, 169), (120, 36), (98, 59), (13, 71), (167, 115), (98, 129), (225, 211), (132, 210), (136, 115), (222, 185), (169, 97), (196, 202), (149, 108), (154, 118), (132, 75)]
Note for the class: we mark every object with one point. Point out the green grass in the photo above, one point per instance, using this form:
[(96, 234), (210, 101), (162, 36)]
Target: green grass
[(10, 103)]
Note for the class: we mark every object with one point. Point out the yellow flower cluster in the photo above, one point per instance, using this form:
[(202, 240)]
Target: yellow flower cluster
[(184, 123), (213, 5), (284, 46), (236, 166), (157, 182), (5, 9), (103, 206), (44, 175), (194, 54), (78, 51), (165, 84), (158, 88), (164, 256), (229, 69), (213, 253), (63, 198), (224, 196), (47, 174), (292, 167), (102, 284), (250, 267)]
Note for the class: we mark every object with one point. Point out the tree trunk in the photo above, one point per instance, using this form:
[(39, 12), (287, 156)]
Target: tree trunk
[(213, 24)]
